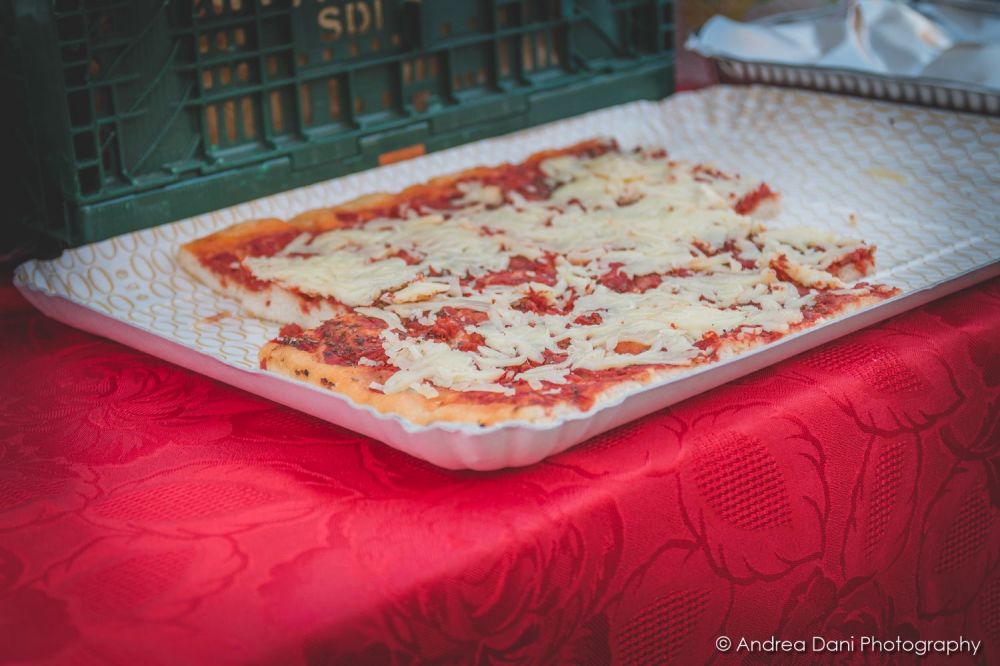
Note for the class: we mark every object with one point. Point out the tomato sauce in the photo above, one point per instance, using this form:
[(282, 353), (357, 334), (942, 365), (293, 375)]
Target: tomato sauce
[(536, 302), (227, 265), (730, 247), (406, 256), (749, 201), (704, 173), (780, 267), (341, 341), (861, 259), (615, 280), (519, 270), (449, 327), (590, 319)]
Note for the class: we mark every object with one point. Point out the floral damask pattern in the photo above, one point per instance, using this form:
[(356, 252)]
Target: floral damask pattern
[(150, 515)]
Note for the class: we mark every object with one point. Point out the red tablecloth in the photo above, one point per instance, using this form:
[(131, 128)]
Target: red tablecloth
[(150, 515)]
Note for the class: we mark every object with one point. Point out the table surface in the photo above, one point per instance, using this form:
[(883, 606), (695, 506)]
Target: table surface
[(151, 515)]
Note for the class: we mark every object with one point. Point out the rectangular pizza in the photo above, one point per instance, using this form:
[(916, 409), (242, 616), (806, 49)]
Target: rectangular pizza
[(530, 291)]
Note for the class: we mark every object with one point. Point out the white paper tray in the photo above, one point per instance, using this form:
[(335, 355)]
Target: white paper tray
[(919, 183)]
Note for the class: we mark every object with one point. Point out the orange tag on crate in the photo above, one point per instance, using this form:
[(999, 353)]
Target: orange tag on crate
[(401, 154)]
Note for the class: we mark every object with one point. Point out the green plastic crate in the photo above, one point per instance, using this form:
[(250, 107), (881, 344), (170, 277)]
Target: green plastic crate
[(139, 112)]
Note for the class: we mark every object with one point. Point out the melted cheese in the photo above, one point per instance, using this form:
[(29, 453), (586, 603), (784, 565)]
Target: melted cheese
[(419, 291), (632, 214), (352, 279)]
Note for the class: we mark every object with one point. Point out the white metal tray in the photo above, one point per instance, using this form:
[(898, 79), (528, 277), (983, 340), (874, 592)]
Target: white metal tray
[(918, 183)]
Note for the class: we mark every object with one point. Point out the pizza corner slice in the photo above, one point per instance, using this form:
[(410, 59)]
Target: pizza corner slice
[(533, 290)]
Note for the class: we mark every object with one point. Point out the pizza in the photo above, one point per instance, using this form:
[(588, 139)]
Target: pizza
[(530, 291)]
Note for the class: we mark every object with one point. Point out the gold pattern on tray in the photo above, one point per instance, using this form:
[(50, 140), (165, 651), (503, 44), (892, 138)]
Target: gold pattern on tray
[(939, 219)]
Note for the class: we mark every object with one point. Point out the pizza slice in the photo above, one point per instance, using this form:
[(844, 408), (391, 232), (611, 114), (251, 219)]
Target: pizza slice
[(530, 291), (230, 261)]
